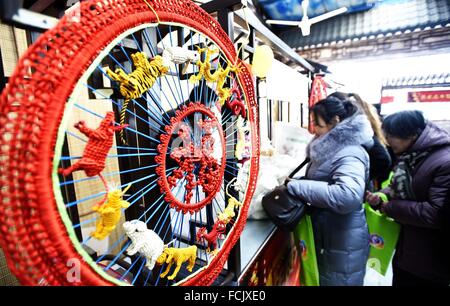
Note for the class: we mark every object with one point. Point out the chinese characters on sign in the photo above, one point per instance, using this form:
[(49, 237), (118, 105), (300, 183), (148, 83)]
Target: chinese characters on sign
[(429, 96)]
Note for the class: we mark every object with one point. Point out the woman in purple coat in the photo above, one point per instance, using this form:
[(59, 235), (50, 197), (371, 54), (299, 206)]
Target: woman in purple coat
[(418, 199)]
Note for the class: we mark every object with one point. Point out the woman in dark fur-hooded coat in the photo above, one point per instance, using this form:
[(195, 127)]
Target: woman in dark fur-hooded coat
[(334, 188)]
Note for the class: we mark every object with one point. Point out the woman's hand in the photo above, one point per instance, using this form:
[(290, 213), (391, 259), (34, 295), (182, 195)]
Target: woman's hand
[(377, 200), (373, 199), (383, 207)]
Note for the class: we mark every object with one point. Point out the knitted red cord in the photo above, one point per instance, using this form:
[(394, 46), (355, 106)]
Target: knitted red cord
[(32, 234), (189, 156), (100, 142), (237, 104), (211, 237)]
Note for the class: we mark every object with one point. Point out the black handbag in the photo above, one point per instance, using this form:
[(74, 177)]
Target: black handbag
[(284, 209)]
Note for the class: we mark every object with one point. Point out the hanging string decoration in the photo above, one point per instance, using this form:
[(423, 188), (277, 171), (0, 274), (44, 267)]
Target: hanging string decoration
[(243, 145), (110, 213), (135, 84), (190, 158), (262, 61), (229, 212), (235, 103), (94, 156), (318, 92), (143, 241), (219, 76), (211, 237), (177, 256)]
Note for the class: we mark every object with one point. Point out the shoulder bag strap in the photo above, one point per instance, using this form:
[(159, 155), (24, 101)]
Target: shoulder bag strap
[(305, 162)]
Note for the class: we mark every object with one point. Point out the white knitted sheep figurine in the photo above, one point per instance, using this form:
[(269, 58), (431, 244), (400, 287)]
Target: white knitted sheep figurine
[(144, 241), (179, 55)]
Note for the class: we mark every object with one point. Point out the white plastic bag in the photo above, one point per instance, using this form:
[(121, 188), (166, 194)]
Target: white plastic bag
[(273, 171), (278, 162)]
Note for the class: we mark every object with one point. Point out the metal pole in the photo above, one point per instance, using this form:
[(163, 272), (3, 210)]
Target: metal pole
[(2, 73)]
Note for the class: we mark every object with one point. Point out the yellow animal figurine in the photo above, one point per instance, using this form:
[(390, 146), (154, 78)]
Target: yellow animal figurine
[(110, 213), (139, 81), (219, 76), (177, 256), (204, 68), (229, 213)]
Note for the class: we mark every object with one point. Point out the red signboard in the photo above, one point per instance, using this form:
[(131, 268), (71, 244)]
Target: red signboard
[(387, 99), (429, 96)]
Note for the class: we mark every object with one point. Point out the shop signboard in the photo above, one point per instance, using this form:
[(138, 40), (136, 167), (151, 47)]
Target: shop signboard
[(429, 96), (386, 99)]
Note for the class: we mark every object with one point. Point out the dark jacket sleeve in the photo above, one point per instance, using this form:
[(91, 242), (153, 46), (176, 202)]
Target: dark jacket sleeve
[(380, 161), (429, 213), (447, 215)]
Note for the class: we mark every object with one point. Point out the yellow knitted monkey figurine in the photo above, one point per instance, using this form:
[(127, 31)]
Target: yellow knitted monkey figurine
[(110, 213), (219, 76)]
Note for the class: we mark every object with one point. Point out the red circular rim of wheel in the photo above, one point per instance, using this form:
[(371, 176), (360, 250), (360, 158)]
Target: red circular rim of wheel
[(33, 235)]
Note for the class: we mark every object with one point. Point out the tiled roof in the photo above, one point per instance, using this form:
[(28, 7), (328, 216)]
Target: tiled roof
[(434, 80), (389, 17)]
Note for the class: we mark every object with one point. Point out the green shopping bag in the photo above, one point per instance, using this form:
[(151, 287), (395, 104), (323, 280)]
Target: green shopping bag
[(384, 233), (304, 240), (387, 182)]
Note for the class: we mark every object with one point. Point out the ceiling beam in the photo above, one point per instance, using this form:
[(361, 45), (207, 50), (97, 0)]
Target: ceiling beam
[(271, 39), (40, 5), (217, 5)]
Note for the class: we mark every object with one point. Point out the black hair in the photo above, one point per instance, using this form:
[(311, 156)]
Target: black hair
[(340, 95), (404, 124), (333, 106)]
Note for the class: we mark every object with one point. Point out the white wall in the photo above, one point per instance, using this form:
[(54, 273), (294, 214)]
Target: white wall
[(365, 77), (283, 84), (286, 84), (431, 110)]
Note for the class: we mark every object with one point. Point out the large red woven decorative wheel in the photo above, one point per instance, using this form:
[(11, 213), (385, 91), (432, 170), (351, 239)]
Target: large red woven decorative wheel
[(128, 133)]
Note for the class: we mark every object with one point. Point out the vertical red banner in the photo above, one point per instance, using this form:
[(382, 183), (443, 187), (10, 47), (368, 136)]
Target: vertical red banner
[(318, 92)]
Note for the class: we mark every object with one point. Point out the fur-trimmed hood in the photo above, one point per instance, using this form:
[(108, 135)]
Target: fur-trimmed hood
[(355, 130)]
